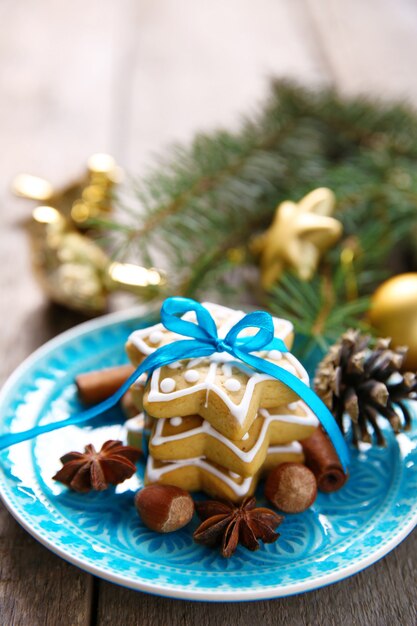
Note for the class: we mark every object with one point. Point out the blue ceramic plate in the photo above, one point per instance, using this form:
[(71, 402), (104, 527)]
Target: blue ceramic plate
[(341, 534)]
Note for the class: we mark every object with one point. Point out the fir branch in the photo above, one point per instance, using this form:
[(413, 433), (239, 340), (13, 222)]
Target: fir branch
[(200, 202), (315, 308)]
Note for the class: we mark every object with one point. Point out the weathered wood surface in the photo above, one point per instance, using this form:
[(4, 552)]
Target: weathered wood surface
[(128, 77), (372, 598)]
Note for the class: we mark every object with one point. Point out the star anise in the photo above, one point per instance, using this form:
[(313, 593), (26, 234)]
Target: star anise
[(92, 470), (227, 524)]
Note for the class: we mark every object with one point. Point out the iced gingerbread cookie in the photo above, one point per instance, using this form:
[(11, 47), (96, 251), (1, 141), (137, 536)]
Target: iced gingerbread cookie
[(224, 391), (200, 474), (192, 436)]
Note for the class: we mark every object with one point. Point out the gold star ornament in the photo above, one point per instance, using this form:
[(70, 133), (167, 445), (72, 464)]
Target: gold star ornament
[(299, 235)]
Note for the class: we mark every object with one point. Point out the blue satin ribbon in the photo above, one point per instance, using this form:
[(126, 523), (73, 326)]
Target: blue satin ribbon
[(204, 342)]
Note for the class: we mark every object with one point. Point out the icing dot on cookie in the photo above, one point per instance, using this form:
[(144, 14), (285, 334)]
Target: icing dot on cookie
[(174, 366), (191, 376), (275, 355), (293, 406), (167, 385), (234, 475), (155, 337), (175, 421), (232, 384), (245, 437)]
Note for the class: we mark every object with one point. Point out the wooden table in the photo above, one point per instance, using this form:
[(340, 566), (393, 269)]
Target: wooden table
[(127, 77)]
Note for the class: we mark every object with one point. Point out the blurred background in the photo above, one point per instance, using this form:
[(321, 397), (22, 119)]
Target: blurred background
[(130, 77)]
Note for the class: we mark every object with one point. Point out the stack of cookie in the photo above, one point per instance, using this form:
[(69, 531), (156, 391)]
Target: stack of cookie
[(215, 424)]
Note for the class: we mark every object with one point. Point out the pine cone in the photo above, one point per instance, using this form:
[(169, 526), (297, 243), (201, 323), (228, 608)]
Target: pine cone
[(362, 378)]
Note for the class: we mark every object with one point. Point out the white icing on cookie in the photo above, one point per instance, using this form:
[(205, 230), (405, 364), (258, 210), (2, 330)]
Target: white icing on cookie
[(245, 437), (175, 365), (227, 370), (239, 411), (175, 421), (225, 319), (141, 381), (232, 384), (156, 337), (154, 473), (275, 355), (237, 483), (292, 448), (308, 419), (168, 385), (191, 376)]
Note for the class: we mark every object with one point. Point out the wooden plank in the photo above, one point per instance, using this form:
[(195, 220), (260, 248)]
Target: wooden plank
[(383, 595), (199, 65), (59, 62), (37, 588), (370, 47), (56, 79)]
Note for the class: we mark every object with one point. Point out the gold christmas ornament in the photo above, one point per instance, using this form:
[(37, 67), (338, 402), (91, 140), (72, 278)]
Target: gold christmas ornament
[(75, 272), (86, 198), (69, 265), (299, 235), (393, 313)]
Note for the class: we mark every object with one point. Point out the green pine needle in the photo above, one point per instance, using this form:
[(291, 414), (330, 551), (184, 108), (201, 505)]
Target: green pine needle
[(195, 214)]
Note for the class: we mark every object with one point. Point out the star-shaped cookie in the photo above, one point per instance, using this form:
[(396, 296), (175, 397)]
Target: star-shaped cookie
[(200, 474), (224, 391), (192, 436)]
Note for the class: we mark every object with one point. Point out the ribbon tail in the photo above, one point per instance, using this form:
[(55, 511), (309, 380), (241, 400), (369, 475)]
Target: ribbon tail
[(79, 418), (165, 355), (310, 398)]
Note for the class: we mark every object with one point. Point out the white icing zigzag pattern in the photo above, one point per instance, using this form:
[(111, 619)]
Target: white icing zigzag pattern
[(247, 457), (154, 473)]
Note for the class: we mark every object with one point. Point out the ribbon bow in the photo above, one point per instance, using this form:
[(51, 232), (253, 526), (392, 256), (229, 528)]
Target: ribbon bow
[(204, 342)]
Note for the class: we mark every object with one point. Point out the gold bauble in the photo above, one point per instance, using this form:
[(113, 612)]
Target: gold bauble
[(70, 266), (89, 196), (75, 272), (393, 313)]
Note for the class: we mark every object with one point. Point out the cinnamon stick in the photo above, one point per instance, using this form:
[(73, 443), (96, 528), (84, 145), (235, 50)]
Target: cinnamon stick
[(321, 458), (96, 386)]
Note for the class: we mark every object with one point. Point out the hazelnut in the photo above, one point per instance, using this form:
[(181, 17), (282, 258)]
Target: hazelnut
[(164, 508), (291, 487)]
